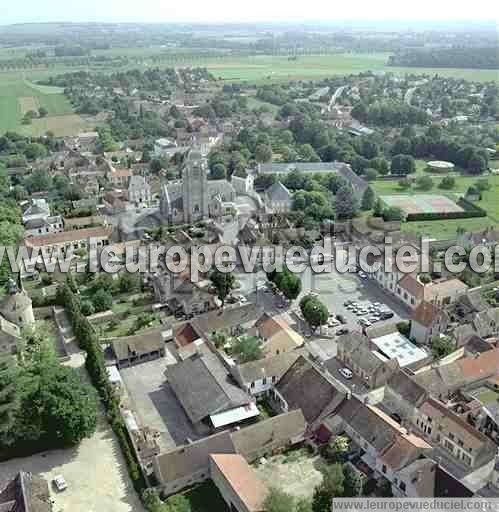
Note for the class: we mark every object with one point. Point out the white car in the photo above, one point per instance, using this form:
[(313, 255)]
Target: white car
[(362, 275), (60, 483), (346, 373)]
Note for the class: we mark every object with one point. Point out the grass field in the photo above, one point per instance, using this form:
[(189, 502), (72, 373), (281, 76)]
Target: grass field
[(444, 229), (18, 95)]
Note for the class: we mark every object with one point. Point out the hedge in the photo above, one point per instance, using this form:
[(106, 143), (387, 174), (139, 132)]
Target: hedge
[(470, 210), (95, 365)]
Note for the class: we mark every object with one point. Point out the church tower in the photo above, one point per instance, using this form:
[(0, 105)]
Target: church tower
[(194, 188), (17, 307)]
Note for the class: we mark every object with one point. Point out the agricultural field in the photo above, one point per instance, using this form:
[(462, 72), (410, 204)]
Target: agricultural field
[(444, 229), (18, 96)]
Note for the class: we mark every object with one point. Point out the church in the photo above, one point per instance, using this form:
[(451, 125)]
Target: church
[(194, 197)]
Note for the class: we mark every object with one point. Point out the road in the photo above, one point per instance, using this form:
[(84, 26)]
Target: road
[(334, 97), (409, 94)]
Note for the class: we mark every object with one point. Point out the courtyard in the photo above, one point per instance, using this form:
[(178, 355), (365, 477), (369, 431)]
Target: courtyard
[(95, 472), (296, 472), (155, 404)]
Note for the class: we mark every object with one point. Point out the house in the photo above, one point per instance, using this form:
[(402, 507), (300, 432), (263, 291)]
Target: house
[(340, 168), (184, 294), (139, 192), (43, 225), (460, 440), (388, 449), (259, 377), (370, 366), (38, 210), (207, 392), (131, 350), (278, 198), (237, 482), (428, 320), (186, 465), (66, 242), (403, 395), (10, 337), (118, 178), (307, 388), (489, 237), (277, 335), (90, 221), (26, 493)]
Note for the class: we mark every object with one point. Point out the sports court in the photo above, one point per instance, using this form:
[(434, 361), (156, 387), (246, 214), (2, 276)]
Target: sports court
[(422, 203)]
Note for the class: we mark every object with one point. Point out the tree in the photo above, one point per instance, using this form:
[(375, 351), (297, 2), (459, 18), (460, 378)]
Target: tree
[(43, 112), (102, 300), (477, 164), (278, 501), (402, 146), (447, 183), (218, 172), (370, 174), (178, 503), (66, 407), (314, 311), (332, 486), (247, 348), (129, 282), (263, 153), (404, 183), (393, 213), (442, 346), (337, 448), (87, 308), (424, 183), (223, 282), (346, 204), (352, 483), (368, 199), (288, 283), (403, 164)]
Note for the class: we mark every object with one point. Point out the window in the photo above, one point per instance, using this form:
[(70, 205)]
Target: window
[(264, 381), (383, 469), (451, 436), (402, 485), (252, 384)]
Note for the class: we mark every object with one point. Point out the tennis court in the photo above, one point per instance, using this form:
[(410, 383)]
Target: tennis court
[(422, 203)]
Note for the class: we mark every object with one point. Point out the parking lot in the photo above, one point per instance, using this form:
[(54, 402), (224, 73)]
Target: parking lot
[(154, 403)]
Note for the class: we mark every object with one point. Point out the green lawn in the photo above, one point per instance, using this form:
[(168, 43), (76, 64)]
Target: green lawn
[(444, 229), (206, 498)]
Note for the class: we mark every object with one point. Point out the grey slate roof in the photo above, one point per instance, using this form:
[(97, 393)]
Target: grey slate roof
[(304, 387), (407, 388), (367, 423), (278, 192), (183, 461), (275, 366), (204, 387)]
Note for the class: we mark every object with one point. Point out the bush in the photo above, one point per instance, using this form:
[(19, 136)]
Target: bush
[(404, 328), (470, 210), (448, 183)]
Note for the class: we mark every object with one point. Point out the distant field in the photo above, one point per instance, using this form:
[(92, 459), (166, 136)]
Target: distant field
[(443, 229), (18, 96), (59, 125)]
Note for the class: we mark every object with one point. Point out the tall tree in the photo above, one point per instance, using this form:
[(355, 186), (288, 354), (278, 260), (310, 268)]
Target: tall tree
[(346, 204), (223, 282)]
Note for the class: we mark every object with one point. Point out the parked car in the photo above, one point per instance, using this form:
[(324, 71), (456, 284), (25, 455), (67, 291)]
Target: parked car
[(346, 373), (385, 315), (341, 319), (362, 275), (342, 331), (60, 483)]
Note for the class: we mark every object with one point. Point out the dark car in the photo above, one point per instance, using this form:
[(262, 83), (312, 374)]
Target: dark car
[(385, 315), (341, 319), (342, 331)]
